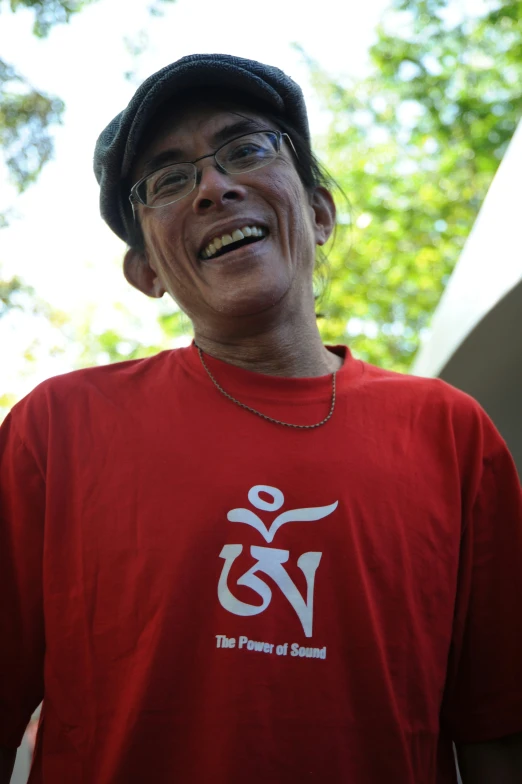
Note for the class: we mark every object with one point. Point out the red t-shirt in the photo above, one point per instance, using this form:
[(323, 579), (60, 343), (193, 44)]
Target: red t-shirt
[(202, 596)]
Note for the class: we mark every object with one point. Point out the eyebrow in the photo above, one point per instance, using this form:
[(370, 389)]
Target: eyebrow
[(177, 155)]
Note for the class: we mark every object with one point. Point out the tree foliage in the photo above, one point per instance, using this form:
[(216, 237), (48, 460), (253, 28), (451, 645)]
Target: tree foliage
[(415, 147), (48, 13), (25, 117), (26, 114)]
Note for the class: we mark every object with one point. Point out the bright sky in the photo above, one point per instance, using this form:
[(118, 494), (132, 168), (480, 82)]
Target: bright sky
[(58, 243)]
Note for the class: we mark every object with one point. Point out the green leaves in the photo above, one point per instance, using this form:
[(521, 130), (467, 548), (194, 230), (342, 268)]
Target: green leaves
[(48, 13), (25, 117), (26, 143), (12, 294), (415, 146), (26, 114)]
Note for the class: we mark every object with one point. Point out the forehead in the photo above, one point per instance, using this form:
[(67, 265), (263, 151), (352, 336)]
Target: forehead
[(185, 131)]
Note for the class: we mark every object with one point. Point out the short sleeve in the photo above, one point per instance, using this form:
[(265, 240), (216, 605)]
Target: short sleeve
[(483, 695), (22, 499)]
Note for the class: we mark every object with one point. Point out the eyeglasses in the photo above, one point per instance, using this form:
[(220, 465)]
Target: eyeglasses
[(245, 153)]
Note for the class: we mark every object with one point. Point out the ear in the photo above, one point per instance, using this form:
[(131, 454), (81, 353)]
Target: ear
[(324, 212), (140, 274)]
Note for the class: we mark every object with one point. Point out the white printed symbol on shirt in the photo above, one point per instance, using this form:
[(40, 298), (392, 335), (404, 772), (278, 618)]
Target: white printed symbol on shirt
[(269, 559)]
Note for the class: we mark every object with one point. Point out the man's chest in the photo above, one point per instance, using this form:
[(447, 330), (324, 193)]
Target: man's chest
[(322, 537)]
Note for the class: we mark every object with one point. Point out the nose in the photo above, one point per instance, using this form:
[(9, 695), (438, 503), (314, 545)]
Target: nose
[(215, 189)]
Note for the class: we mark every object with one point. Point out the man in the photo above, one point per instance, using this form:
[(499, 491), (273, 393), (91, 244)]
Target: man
[(257, 558)]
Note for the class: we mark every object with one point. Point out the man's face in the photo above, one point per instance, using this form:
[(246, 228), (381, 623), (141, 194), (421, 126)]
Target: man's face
[(275, 271)]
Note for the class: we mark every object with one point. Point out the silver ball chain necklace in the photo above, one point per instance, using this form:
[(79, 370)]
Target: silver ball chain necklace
[(264, 416)]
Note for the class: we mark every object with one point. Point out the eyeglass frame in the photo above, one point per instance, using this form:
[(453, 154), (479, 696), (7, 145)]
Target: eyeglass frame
[(133, 194)]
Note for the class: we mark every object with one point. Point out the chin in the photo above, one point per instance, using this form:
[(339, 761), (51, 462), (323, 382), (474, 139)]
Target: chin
[(256, 303)]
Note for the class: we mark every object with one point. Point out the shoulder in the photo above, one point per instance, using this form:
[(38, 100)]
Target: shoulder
[(417, 391), (71, 395), (434, 406)]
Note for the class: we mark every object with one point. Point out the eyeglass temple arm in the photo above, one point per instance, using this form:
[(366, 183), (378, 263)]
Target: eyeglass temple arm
[(290, 142)]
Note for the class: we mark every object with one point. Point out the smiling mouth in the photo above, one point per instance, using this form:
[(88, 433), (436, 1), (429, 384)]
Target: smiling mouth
[(222, 245)]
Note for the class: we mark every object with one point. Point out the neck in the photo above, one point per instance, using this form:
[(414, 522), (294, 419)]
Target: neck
[(280, 351)]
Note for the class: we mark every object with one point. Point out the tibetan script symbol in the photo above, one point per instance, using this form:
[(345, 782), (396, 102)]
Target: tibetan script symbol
[(270, 560)]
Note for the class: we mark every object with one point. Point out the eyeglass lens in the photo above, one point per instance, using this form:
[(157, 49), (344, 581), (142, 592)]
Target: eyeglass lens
[(171, 183)]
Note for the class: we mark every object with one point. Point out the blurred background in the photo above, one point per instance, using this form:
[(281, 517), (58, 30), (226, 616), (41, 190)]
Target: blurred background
[(414, 106)]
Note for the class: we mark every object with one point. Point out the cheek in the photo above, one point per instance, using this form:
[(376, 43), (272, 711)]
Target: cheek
[(161, 229), (165, 246), (293, 207)]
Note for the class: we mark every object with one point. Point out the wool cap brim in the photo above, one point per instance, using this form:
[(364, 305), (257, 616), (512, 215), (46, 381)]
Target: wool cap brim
[(118, 143)]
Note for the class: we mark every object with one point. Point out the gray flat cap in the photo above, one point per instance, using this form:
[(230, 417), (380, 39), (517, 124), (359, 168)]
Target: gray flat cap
[(118, 143)]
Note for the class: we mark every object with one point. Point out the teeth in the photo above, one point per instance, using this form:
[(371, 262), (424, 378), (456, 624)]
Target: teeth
[(226, 239)]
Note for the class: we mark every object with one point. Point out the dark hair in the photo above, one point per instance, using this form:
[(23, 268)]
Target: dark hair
[(313, 175)]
